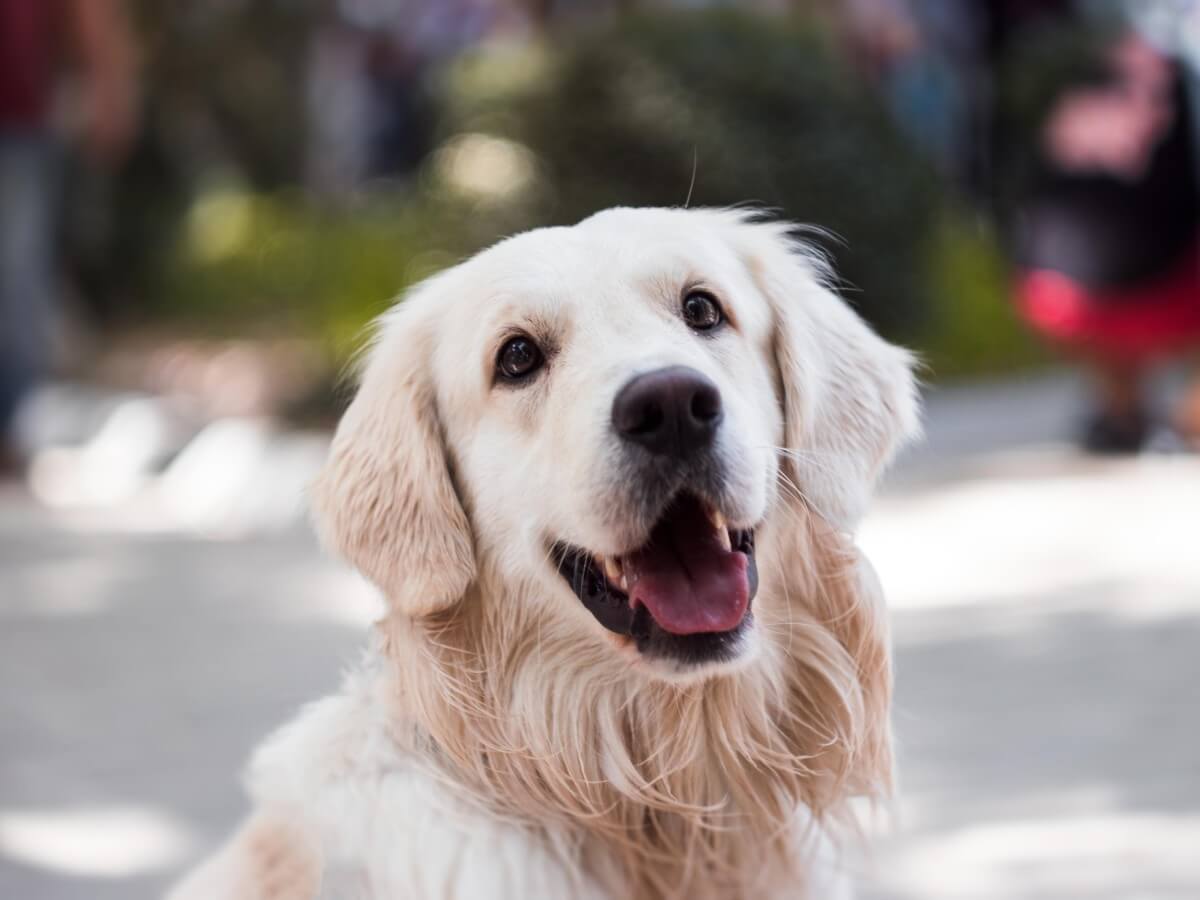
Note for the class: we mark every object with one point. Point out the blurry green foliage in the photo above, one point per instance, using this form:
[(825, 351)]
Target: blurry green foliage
[(972, 327), (762, 107), (222, 91), (296, 268)]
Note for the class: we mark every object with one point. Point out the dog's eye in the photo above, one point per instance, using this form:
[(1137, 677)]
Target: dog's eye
[(518, 358), (701, 311)]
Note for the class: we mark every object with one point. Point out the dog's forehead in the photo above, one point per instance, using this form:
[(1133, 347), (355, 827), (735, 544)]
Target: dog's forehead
[(612, 282), (604, 260), (634, 249)]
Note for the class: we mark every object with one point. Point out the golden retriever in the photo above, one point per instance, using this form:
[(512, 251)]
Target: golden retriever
[(607, 478)]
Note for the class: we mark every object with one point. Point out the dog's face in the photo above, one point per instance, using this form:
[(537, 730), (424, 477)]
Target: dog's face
[(613, 416), (600, 420)]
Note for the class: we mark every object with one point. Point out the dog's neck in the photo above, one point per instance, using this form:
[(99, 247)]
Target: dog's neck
[(666, 789)]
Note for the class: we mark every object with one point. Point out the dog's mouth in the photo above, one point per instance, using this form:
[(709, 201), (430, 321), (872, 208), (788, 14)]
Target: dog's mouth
[(686, 593)]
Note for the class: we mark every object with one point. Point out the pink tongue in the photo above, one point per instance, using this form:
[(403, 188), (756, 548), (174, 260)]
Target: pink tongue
[(685, 577)]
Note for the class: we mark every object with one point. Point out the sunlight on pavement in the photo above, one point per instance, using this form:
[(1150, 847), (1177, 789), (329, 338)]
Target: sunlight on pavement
[(1044, 608), (1105, 854), (990, 538), (233, 477), (112, 465), (214, 470), (336, 595), (100, 842)]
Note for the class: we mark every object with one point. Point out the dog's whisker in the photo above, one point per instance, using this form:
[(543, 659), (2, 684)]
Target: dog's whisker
[(815, 459), (803, 497)]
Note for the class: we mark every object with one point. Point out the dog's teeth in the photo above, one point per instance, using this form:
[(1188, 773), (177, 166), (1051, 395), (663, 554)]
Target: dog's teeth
[(718, 522), (612, 569), (723, 537)]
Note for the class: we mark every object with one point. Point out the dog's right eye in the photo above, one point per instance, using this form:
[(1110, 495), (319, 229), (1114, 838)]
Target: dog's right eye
[(519, 358), (701, 311)]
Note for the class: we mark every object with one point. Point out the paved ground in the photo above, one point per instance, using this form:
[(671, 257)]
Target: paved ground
[(1047, 622)]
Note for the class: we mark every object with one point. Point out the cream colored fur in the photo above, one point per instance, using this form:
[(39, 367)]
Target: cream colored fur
[(496, 741)]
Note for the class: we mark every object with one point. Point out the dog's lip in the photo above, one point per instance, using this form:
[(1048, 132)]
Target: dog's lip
[(608, 584)]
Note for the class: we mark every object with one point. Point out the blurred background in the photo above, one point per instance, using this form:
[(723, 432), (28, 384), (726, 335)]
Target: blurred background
[(203, 203)]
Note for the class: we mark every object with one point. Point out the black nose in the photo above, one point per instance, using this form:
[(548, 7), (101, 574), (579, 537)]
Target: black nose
[(672, 412)]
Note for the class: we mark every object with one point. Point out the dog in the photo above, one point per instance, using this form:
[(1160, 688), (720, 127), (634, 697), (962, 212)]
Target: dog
[(607, 477)]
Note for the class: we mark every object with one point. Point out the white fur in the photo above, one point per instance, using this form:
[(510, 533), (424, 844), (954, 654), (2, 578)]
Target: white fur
[(497, 742)]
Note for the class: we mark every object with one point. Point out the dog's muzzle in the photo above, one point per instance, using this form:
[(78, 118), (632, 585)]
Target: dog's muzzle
[(685, 592)]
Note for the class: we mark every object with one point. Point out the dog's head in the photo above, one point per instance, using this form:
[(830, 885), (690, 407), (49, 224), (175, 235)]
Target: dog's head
[(607, 420)]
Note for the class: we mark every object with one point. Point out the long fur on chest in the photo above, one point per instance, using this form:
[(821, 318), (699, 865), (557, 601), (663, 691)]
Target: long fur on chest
[(658, 789)]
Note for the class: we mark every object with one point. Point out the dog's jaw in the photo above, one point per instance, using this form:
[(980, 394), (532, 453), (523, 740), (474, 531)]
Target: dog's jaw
[(789, 723)]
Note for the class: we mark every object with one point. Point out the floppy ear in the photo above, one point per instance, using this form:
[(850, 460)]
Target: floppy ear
[(385, 500), (849, 397)]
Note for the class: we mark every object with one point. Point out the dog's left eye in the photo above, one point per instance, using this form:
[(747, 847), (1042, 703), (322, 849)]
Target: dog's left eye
[(701, 311), (518, 358)]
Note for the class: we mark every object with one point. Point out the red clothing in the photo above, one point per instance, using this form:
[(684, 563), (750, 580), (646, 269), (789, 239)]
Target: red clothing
[(29, 45), (1154, 320)]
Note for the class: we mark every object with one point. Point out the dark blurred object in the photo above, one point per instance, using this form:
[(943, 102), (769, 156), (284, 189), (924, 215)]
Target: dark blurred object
[(35, 39), (29, 49), (921, 55), (370, 111), (1114, 202), (1109, 433), (224, 104)]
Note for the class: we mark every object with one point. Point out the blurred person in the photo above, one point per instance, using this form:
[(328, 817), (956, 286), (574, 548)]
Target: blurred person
[(1107, 236), (912, 51), (1096, 183), (1099, 192), (36, 38), (368, 100)]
